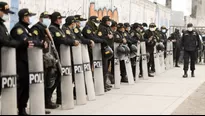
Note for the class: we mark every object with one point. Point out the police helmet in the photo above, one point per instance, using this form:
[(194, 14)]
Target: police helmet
[(133, 51), (108, 52), (120, 51), (127, 49), (160, 46)]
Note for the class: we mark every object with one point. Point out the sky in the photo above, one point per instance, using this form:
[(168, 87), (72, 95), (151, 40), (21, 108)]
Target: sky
[(178, 5)]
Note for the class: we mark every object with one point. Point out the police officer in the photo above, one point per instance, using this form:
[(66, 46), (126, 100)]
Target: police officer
[(176, 38), (5, 38), (104, 32), (190, 43), (89, 32), (163, 38), (151, 38), (59, 38), (50, 68), (124, 40), (21, 32), (138, 37)]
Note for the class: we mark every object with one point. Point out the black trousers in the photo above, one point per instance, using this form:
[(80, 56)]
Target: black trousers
[(189, 55), (133, 63), (122, 69), (105, 69), (151, 62), (176, 55)]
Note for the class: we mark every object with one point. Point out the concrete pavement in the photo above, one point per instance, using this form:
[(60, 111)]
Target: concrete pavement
[(159, 95)]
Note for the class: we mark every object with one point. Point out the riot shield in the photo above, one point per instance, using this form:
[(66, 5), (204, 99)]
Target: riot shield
[(117, 76), (88, 74), (66, 79), (8, 81), (128, 67), (36, 81), (168, 56), (137, 63), (79, 75), (156, 61), (144, 61), (171, 55), (161, 61), (98, 71)]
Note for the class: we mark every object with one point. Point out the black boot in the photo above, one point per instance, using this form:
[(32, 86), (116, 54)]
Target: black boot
[(149, 75), (185, 74), (22, 111), (124, 79), (51, 105), (192, 74), (47, 112)]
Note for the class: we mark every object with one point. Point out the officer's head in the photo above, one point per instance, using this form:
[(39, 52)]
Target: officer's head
[(114, 25), (56, 18), (152, 27), (4, 11), (127, 26), (80, 21), (95, 20), (45, 18), (120, 27), (106, 20), (71, 22), (164, 29), (25, 15), (176, 30), (136, 26), (190, 27)]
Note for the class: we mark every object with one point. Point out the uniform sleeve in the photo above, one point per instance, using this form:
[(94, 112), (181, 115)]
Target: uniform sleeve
[(103, 34), (59, 39), (79, 35), (89, 35)]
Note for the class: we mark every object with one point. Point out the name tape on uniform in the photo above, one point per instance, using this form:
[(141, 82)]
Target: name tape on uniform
[(78, 68), (66, 70), (97, 64), (36, 77), (87, 67), (8, 81)]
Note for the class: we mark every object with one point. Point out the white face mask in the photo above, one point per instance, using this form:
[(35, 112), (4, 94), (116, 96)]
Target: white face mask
[(82, 24), (97, 24), (128, 29), (164, 30), (145, 28), (32, 20), (110, 24), (46, 22), (74, 26), (190, 28), (5, 17), (152, 29)]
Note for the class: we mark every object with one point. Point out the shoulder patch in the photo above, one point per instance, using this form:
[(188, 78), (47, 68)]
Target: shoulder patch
[(99, 33), (19, 31), (76, 30), (125, 34), (68, 32), (132, 34), (88, 31), (117, 36), (35, 32), (58, 34)]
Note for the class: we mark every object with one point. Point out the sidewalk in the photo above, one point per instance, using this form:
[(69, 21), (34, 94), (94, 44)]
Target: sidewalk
[(159, 95)]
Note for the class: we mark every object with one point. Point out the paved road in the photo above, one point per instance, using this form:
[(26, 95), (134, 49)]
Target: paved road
[(159, 95)]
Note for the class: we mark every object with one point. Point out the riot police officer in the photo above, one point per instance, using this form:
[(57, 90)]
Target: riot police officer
[(21, 32), (176, 38), (104, 32), (89, 32), (50, 68), (5, 38), (163, 38), (59, 38), (151, 38), (122, 39), (190, 43)]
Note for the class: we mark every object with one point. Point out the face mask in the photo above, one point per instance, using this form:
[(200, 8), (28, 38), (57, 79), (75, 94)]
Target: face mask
[(128, 29), (32, 20), (141, 30), (190, 29), (145, 28), (82, 23), (5, 17), (97, 24), (152, 29), (74, 26), (46, 21), (110, 24), (164, 31)]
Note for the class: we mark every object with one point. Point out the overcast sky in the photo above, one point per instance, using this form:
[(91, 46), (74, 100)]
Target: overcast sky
[(179, 5)]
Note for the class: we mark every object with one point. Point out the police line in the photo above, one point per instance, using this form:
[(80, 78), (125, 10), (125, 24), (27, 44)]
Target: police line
[(83, 74)]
